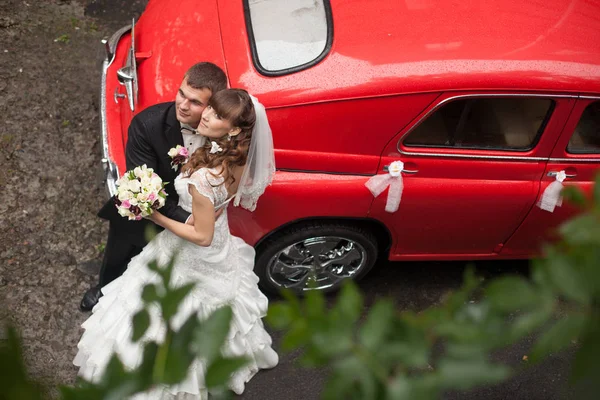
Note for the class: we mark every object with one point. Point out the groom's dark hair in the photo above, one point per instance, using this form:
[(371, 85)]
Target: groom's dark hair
[(206, 75)]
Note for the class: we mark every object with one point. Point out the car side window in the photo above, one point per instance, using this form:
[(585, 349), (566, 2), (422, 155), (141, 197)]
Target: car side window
[(500, 123), (586, 137)]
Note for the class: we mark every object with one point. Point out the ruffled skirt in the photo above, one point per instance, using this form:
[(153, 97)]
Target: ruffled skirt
[(108, 330)]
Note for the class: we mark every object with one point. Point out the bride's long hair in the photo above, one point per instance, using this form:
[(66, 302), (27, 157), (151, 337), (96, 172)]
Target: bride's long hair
[(234, 105)]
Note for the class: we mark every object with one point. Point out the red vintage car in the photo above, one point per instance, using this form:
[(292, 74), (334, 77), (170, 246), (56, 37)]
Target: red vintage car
[(483, 103)]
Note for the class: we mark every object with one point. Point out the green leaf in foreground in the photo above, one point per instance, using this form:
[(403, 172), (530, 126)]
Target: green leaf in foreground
[(209, 338), (558, 337), (141, 322), (220, 370)]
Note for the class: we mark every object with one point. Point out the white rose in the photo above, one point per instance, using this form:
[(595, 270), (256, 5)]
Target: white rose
[(134, 186), (173, 152), (137, 171), (156, 183), (125, 195), (142, 197), (146, 181), (123, 212), (133, 201)]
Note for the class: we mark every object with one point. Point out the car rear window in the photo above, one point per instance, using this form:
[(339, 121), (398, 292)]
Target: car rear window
[(586, 138), (288, 36)]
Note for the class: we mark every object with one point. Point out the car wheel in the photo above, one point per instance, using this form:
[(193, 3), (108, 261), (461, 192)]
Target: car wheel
[(331, 252)]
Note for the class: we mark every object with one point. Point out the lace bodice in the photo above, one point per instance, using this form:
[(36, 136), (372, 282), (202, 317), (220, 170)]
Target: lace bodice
[(206, 184), (211, 187)]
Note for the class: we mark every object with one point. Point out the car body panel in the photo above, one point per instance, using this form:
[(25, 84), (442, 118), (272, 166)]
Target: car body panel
[(307, 195), (541, 226)]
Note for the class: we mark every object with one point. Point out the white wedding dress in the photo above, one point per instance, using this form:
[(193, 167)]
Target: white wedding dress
[(223, 273)]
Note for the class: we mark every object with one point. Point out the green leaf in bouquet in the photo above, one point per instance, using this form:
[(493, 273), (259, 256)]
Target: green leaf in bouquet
[(150, 293), (220, 370), (511, 293), (280, 315), (171, 301), (560, 336), (466, 374), (141, 323), (378, 324), (211, 334)]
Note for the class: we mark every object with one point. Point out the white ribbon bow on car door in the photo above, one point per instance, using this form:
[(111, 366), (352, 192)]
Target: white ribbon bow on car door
[(378, 183)]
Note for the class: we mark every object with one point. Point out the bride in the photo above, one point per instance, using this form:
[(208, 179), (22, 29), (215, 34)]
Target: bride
[(236, 163)]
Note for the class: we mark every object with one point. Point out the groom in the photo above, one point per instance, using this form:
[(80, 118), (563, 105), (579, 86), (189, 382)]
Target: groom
[(151, 134)]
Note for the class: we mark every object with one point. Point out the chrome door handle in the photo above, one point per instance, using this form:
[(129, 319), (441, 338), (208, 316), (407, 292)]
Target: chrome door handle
[(118, 95), (406, 171), (554, 173)]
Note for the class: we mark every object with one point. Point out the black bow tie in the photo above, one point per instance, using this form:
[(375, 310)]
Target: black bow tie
[(185, 129)]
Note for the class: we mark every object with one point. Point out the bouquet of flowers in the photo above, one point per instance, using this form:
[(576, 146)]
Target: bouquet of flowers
[(139, 193)]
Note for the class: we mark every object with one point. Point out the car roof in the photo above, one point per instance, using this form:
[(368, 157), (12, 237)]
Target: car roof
[(388, 47)]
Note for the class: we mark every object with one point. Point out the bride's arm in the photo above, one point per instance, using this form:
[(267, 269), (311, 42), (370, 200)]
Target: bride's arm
[(201, 233)]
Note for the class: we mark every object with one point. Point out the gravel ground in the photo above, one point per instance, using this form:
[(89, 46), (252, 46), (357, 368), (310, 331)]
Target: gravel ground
[(50, 59)]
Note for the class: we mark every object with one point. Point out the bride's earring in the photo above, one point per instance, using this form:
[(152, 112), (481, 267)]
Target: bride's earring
[(228, 138)]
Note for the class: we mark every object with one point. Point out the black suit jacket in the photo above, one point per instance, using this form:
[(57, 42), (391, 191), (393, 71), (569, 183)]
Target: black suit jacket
[(151, 134)]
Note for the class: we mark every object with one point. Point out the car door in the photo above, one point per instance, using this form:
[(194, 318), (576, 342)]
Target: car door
[(473, 164), (577, 152)]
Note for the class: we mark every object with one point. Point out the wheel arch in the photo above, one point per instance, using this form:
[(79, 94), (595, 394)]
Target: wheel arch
[(381, 232)]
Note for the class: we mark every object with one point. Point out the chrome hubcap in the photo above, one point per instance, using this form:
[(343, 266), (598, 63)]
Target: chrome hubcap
[(328, 260)]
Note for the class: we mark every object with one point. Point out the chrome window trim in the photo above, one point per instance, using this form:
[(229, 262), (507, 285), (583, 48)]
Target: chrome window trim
[(590, 97), (474, 156), (575, 160), (110, 167)]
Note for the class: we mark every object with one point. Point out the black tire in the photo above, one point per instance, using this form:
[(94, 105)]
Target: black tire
[(303, 231)]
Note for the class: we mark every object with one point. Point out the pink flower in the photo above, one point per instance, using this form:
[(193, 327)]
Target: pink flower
[(183, 151), (125, 204), (152, 196)]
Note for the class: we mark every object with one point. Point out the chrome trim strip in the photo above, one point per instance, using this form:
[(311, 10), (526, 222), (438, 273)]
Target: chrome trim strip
[(306, 171), (110, 168), (566, 160), (473, 156), (590, 97)]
